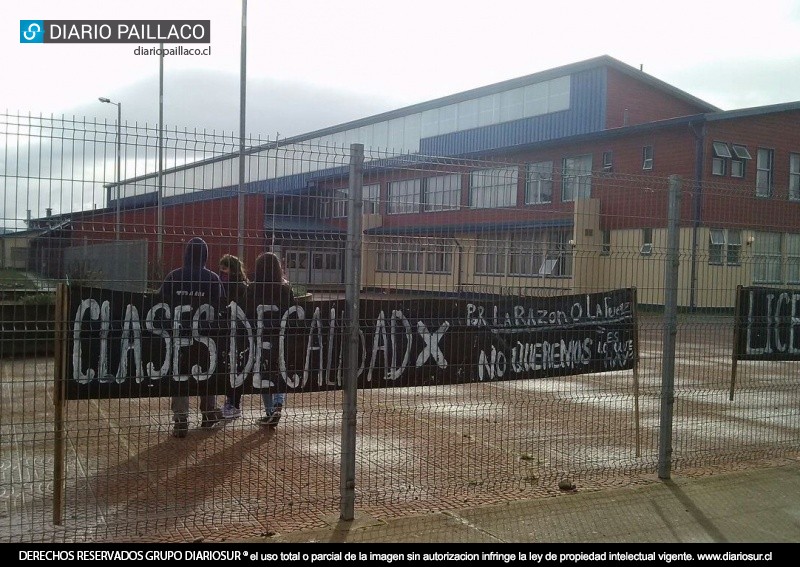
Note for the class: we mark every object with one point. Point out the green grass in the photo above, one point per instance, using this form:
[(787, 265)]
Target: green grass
[(14, 279)]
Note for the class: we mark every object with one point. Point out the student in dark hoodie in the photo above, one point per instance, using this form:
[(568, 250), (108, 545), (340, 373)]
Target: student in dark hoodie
[(193, 285)]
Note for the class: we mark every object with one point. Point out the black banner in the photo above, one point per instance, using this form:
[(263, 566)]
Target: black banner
[(123, 344), (767, 324)]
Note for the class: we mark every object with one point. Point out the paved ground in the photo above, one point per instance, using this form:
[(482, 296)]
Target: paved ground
[(757, 505), (480, 457)]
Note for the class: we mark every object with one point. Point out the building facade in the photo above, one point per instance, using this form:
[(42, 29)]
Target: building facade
[(553, 182)]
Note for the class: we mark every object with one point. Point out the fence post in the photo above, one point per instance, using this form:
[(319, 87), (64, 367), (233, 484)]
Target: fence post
[(671, 264), (350, 363)]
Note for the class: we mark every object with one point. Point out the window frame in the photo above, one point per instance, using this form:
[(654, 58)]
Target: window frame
[(576, 178), (371, 198), (608, 161), (397, 207), (765, 170), (716, 248), (792, 258), (647, 158), (605, 243), (538, 176), (445, 190), (646, 248), (794, 176), (765, 259), (504, 181), (491, 250), (732, 247)]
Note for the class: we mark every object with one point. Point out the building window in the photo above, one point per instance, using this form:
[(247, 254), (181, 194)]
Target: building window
[(539, 183), (734, 247), (794, 177), (647, 157), (490, 256), (739, 159), (339, 207), (720, 160), (387, 260), (793, 258), (493, 188), (647, 242), (371, 195), (608, 161), (404, 197), (442, 193), (716, 245), (724, 246), (540, 253), (767, 257), (605, 248), (764, 172), (439, 259), (576, 178), (399, 255)]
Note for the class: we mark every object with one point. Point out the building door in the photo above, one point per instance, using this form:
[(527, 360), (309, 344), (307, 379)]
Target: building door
[(297, 266)]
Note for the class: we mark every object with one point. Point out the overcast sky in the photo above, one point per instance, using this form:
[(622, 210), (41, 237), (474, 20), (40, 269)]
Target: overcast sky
[(316, 63)]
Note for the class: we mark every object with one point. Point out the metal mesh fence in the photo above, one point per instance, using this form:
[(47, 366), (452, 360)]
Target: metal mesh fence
[(512, 331)]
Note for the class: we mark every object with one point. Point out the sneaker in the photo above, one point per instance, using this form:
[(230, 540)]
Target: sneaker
[(211, 418), (272, 419), (180, 429), (230, 411)]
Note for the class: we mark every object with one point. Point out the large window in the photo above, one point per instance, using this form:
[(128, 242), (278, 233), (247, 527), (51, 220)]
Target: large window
[(404, 196), (767, 257), (737, 155), (724, 246), (536, 253), (764, 172), (576, 178), (339, 204), (400, 255), (490, 255), (493, 188), (410, 255), (539, 183), (442, 193), (794, 177), (439, 258)]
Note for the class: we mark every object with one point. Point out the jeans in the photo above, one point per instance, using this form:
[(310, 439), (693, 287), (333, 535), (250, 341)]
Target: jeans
[(180, 406), (271, 400)]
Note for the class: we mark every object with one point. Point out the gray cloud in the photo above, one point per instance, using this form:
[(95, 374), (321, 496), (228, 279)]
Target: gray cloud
[(741, 83), (210, 101)]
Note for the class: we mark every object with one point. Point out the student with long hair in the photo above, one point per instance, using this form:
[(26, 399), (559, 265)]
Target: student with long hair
[(234, 277), (270, 287)]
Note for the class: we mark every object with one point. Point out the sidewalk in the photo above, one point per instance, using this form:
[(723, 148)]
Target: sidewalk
[(750, 506)]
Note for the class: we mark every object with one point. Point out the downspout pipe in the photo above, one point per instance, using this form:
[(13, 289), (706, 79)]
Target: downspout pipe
[(697, 204)]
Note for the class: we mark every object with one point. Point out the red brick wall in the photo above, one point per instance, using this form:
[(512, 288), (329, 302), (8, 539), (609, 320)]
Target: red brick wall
[(643, 102)]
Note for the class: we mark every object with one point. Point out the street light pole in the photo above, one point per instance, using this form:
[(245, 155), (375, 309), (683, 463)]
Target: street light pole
[(117, 222)]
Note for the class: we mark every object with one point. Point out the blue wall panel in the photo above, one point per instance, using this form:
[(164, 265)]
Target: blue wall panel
[(586, 114)]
